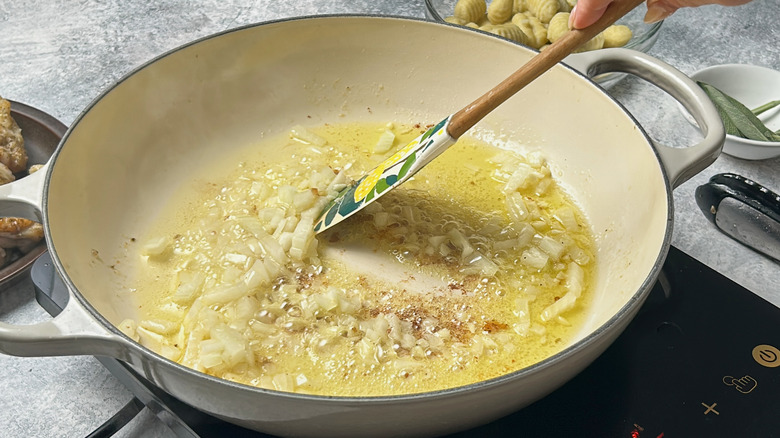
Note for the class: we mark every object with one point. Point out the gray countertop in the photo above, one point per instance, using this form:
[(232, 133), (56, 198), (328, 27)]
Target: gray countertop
[(58, 56)]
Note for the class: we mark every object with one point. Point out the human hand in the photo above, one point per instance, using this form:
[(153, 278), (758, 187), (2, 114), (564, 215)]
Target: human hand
[(586, 12)]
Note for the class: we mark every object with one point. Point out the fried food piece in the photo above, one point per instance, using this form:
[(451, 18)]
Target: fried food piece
[(6, 175), (16, 234), (19, 233), (12, 153)]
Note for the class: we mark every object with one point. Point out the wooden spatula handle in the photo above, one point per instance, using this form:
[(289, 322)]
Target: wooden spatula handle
[(467, 117)]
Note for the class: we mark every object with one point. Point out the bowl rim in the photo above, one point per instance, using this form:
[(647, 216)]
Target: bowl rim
[(741, 141), (754, 143), (732, 66)]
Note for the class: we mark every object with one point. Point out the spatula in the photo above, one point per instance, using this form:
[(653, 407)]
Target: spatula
[(414, 156)]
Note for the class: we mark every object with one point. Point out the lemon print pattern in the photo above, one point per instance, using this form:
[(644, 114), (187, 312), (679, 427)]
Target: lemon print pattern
[(370, 181), (385, 176)]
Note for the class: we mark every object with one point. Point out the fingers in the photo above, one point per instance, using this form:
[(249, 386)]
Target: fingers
[(586, 12), (658, 10)]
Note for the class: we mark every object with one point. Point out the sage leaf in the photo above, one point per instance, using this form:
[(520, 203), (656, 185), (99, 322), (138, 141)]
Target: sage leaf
[(765, 107), (737, 118)]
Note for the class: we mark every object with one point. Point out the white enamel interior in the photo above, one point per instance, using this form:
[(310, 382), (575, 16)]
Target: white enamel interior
[(165, 123)]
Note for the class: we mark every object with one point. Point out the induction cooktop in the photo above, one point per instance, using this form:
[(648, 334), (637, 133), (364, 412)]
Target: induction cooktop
[(701, 359)]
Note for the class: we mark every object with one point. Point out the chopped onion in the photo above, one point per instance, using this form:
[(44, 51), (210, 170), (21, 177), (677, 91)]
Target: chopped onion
[(190, 285), (259, 189), (525, 235), (574, 283), (304, 200), (517, 208), (523, 177), (476, 263), (257, 275), (407, 364), (238, 259), (274, 250), (285, 240), (249, 279), (302, 238), (381, 219), (534, 258), (225, 294), (157, 246), (303, 135), (459, 240), (551, 247), (339, 182), (523, 312), (385, 142), (233, 345), (255, 225), (210, 353), (579, 255), (128, 327), (286, 194), (567, 218)]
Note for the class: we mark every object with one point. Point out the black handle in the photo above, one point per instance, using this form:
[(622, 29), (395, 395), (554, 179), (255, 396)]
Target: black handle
[(723, 185), (744, 210)]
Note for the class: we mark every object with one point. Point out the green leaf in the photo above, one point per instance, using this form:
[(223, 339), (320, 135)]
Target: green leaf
[(728, 123), (765, 107), (737, 118)]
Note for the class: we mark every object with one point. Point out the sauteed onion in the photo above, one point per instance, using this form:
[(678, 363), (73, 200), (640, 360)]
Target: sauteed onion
[(457, 276)]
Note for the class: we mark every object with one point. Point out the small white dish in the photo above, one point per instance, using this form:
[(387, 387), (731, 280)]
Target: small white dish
[(753, 86)]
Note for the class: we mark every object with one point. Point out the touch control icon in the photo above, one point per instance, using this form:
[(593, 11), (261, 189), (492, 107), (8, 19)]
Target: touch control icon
[(742, 384), (767, 355)]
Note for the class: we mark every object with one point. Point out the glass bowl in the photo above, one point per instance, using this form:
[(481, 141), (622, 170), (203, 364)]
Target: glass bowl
[(644, 35)]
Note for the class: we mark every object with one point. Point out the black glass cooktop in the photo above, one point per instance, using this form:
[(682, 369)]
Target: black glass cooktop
[(701, 359)]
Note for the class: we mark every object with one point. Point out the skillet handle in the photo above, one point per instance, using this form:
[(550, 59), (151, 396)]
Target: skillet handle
[(680, 163), (73, 332), (24, 197)]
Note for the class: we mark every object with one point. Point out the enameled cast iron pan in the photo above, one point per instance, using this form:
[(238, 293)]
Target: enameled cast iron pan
[(133, 146)]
